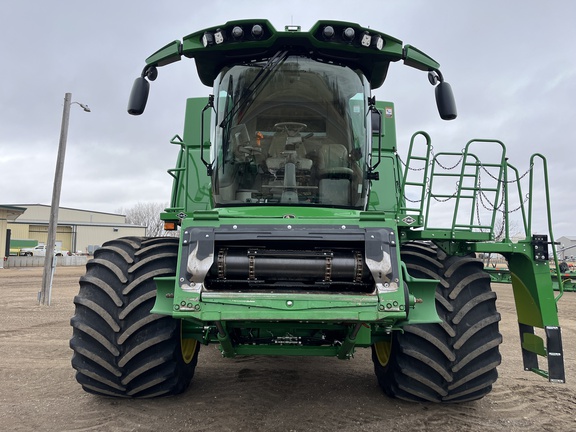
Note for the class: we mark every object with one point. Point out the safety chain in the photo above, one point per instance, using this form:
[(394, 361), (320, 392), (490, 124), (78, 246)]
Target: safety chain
[(445, 167), (408, 167), (433, 196), (492, 207), (458, 163), (431, 161), (480, 222), (498, 209), (481, 195), (507, 181), (482, 198), (443, 200), (422, 169), (412, 201)]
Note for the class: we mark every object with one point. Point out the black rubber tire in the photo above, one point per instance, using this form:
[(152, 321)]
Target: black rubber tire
[(456, 360), (120, 349)]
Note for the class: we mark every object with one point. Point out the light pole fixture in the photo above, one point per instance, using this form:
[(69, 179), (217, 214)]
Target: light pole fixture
[(84, 107), (44, 296)]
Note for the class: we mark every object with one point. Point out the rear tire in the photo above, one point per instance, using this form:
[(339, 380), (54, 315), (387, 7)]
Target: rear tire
[(120, 349), (456, 360)]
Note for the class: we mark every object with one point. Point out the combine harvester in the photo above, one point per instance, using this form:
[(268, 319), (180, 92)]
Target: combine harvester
[(303, 233)]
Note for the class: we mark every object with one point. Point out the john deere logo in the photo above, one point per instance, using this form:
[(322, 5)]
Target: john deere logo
[(289, 216), (408, 220)]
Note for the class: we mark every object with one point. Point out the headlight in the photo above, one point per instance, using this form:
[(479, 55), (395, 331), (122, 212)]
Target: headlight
[(348, 34), (257, 31), (237, 33)]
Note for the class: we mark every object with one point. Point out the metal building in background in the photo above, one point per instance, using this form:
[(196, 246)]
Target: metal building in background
[(79, 231), (7, 215)]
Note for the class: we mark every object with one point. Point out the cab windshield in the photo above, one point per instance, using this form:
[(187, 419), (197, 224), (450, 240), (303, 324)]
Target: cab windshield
[(291, 131)]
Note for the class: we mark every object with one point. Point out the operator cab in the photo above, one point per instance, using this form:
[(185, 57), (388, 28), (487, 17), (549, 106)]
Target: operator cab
[(291, 130)]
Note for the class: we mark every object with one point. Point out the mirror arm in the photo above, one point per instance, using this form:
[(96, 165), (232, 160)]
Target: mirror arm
[(435, 76), (150, 71)]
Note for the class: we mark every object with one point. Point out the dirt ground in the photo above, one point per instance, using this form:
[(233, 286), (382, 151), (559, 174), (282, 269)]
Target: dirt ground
[(38, 391)]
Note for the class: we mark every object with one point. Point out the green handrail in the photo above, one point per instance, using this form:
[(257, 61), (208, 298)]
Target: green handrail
[(548, 214), (424, 182)]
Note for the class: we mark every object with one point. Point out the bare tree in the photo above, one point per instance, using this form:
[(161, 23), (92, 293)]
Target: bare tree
[(147, 214)]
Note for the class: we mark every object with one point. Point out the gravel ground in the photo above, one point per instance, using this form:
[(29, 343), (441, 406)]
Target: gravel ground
[(39, 392)]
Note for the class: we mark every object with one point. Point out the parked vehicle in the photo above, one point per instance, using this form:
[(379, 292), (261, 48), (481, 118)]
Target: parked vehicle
[(16, 245), (40, 251)]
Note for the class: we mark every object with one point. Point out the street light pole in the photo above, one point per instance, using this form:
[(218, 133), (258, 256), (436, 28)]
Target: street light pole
[(44, 295)]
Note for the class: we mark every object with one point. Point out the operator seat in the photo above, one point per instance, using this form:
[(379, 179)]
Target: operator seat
[(335, 174)]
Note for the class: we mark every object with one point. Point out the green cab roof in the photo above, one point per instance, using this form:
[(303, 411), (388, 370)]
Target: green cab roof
[(338, 42)]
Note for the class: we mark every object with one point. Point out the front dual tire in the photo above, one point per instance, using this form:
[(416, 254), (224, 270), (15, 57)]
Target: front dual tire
[(120, 349), (455, 360)]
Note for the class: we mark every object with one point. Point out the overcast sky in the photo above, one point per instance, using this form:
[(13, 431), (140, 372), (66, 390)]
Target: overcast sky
[(511, 64)]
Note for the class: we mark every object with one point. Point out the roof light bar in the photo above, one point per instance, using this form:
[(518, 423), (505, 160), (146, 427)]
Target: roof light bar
[(337, 32), (350, 34)]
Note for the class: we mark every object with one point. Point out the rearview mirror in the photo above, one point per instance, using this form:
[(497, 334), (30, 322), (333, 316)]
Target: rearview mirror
[(445, 101), (376, 122), (138, 96)]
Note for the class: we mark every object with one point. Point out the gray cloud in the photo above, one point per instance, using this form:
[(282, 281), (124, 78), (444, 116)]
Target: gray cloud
[(510, 64)]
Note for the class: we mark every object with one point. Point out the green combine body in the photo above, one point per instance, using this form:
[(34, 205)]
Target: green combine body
[(303, 233)]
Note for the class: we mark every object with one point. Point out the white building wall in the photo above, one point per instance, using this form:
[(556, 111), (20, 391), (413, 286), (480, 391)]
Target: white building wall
[(77, 229), (567, 248), (88, 236)]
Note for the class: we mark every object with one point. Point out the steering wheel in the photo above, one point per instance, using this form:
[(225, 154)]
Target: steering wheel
[(291, 128)]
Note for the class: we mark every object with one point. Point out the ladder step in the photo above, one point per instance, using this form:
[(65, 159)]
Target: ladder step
[(441, 174), (555, 354), (472, 226), (468, 188), (533, 346), (453, 196)]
